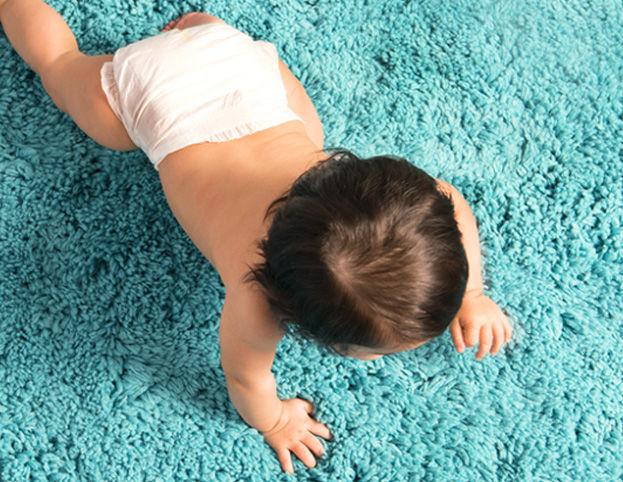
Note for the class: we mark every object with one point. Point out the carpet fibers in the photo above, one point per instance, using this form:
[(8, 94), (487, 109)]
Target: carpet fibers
[(109, 353)]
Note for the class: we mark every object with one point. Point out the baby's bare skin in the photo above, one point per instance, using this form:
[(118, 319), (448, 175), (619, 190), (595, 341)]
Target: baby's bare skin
[(191, 19), (220, 204), (219, 193)]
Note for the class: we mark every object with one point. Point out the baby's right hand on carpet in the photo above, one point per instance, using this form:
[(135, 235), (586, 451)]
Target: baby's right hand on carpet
[(295, 432)]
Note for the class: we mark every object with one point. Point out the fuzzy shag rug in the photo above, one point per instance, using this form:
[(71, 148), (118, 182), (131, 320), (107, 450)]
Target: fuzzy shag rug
[(109, 353)]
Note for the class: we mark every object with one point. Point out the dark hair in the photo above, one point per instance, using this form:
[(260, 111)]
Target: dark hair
[(363, 251)]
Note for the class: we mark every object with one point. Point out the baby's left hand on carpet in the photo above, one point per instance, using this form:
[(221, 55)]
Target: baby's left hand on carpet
[(479, 318)]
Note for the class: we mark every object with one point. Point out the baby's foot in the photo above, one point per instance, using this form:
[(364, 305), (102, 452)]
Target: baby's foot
[(182, 22), (172, 24), (190, 20)]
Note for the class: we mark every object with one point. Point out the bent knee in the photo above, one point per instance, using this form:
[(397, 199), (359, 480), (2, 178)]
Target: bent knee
[(54, 81)]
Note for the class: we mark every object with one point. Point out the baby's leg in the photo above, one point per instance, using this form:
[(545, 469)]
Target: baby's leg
[(72, 79), (36, 31)]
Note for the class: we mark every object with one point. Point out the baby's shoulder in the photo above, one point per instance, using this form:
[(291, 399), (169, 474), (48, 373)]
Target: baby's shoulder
[(256, 322)]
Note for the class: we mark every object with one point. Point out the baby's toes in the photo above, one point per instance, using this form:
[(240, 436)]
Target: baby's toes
[(172, 23), (191, 19)]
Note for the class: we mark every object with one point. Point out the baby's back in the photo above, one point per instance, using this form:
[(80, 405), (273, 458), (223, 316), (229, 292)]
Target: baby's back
[(219, 192)]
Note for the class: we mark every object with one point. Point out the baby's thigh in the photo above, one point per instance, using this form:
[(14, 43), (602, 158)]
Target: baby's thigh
[(74, 83)]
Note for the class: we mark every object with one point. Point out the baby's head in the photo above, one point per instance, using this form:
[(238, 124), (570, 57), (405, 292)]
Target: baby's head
[(363, 255)]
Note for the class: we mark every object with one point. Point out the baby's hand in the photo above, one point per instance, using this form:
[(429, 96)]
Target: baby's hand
[(295, 432), (480, 318)]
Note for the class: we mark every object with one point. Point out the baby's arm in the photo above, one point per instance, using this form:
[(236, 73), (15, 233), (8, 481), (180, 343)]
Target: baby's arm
[(479, 319), (249, 338), (466, 222), (248, 345)]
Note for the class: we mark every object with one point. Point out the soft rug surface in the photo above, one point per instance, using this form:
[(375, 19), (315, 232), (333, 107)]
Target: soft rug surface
[(109, 353)]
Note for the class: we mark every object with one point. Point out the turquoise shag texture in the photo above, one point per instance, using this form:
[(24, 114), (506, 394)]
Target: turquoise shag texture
[(109, 352)]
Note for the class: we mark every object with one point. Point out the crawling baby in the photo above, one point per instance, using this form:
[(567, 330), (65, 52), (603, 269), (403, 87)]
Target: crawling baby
[(365, 256)]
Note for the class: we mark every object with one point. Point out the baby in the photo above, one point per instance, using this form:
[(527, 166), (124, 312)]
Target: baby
[(366, 256)]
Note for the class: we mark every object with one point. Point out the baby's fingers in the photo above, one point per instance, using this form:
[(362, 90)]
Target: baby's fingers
[(457, 335), (508, 331), (314, 444), (498, 337), (283, 454), (485, 341), (303, 453), (471, 333), (321, 429)]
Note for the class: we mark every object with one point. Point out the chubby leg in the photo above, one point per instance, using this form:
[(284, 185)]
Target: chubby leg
[(74, 84), (72, 79), (36, 31)]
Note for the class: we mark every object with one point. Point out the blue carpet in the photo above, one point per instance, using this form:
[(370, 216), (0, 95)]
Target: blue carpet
[(109, 354)]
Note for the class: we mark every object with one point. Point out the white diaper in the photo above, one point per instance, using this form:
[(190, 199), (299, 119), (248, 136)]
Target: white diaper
[(209, 82)]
